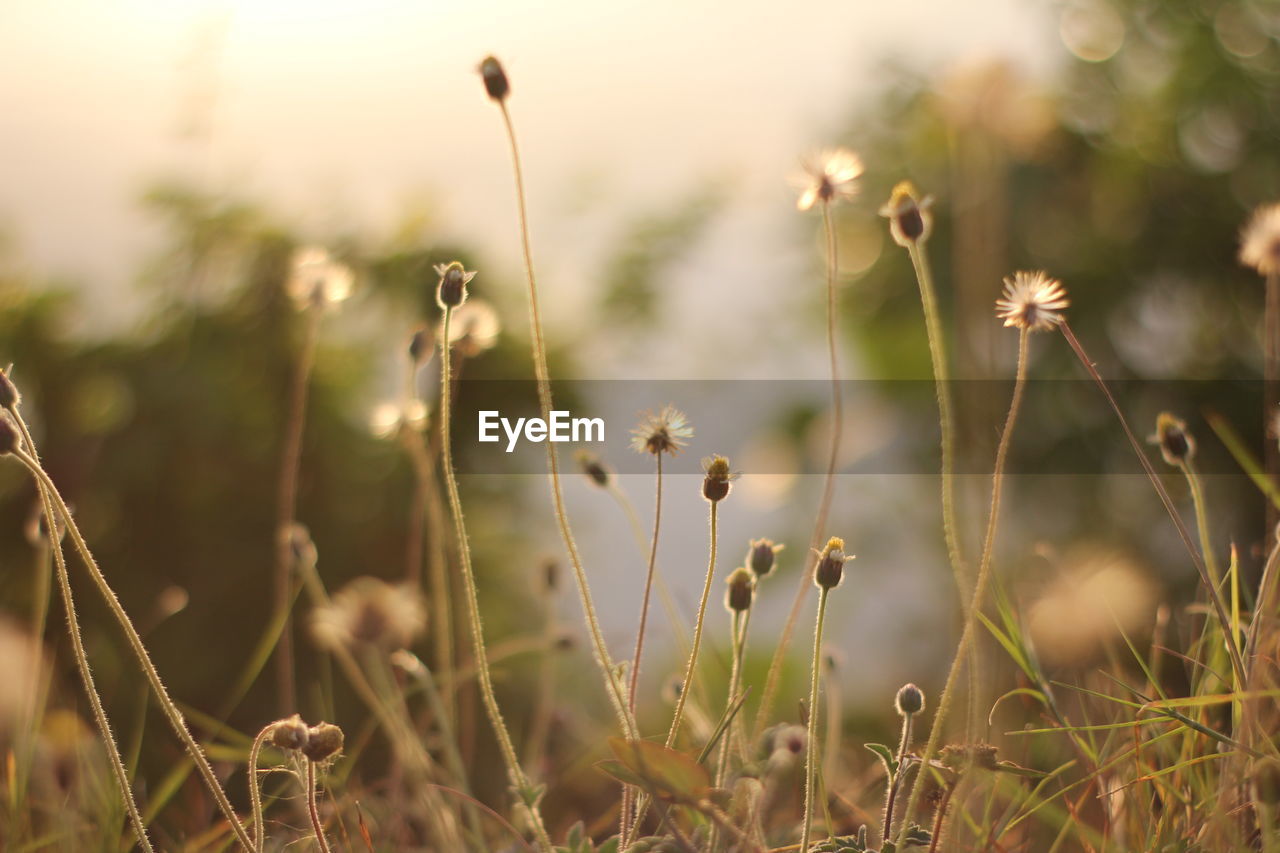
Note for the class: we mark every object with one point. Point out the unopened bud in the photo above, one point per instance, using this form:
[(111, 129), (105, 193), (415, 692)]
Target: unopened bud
[(910, 700), (324, 740), (495, 79), (761, 557), (830, 569), (1176, 444), (742, 588), (715, 487), (290, 733), (453, 284)]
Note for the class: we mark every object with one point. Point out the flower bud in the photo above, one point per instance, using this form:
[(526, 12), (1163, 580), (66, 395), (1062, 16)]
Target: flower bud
[(453, 284), (910, 700), (594, 468), (9, 438), (495, 79), (290, 733), (742, 588), (760, 557), (830, 569), (9, 396), (715, 487), (909, 218), (1176, 444), (324, 740)]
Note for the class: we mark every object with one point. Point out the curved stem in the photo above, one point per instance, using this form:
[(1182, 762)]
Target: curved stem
[(171, 712), (772, 679), (255, 786), (811, 739), (312, 811), (892, 794), (603, 660), (980, 587), (518, 779)]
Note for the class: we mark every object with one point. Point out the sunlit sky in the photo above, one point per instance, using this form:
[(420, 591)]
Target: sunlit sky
[(345, 115)]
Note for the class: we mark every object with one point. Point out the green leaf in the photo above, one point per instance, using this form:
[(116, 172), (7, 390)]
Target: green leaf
[(886, 757), (667, 773)]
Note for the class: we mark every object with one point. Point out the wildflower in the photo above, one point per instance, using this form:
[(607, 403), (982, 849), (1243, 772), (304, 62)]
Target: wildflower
[(829, 176), (1032, 301), (909, 218), (594, 468), (388, 419), (665, 432), (290, 733), (1176, 444), (474, 328), (1260, 240), (453, 284), (495, 79), (716, 484), (317, 279), (761, 554), (910, 700), (324, 740), (368, 610), (742, 589), (830, 569)]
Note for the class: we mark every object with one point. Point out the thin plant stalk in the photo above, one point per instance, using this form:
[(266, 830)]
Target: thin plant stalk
[(287, 506), (940, 817), (691, 667), (811, 739), (908, 723), (773, 678), (54, 501), (737, 638), (490, 700), (1215, 596), (255, 785), (1271, 389), (980, 586), (312, 811), (540, 727), (611, 683)]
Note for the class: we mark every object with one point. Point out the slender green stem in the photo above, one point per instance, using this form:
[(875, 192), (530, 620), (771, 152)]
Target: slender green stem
[(1215, 596), (774, 676), (611, 682), (540, 727), (287, 505), (255, 785), (518, 779), (691, 667), (312, 811), (980, 586), (811, 740), (726, 744), (1271, 390), (171, 712), (1196, 486), (891, 793)]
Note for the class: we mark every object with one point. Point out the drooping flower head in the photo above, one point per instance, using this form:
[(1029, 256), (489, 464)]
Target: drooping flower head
[(666, 432), (315, 278), (909, 218), (1260, 240), (1032, 301), (829, 177)]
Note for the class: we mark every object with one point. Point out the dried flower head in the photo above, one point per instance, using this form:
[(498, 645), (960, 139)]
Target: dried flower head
[(716, 483), (290, 733), (316, 279), (474, 328), (1260, 240), (830, 569), (666, 432), (962, 756), (1032, 301), (370, 611), (910, 700), (1176, 444), (9, 396), (495, 79), (909, 218), (324, 741), (742, 589), (594, 468), (830, 176), (452, 291), (388, 419), (761, 555)]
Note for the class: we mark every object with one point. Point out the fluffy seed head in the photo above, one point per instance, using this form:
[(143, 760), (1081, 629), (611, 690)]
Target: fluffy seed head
[(594, 468), (761, 554), (666, 432), (1032, 301), (495, 79), (829, 177), (452, 291), (742, 589), (290, 733), (909, 218), (1176, 444), (1260, 240), (316, 279), (830, 569), (372, 612), (910, 700), (716, 484), (324, 740)]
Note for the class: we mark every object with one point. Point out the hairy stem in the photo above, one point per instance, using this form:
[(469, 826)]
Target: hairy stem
[(811, 740), (691, 667), (312, 811), (891, 794), (255, 786)]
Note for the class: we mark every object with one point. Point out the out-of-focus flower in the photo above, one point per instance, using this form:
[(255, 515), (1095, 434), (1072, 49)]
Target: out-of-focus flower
[(1032, 301), (1260, 240), (370, 611), (317, 279), (829, 177), (387, 419), (1177, 446), (473, 328), (909, 218), (665, 432)]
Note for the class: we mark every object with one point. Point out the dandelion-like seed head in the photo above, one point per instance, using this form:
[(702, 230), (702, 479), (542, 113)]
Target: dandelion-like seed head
[(1032, 301), (666, 432), (316, 279), (495, 78), (830, 569), (1177, 446), (909, 218), (761, 554), (474, 328), (741, 591), (388, 419), (372, 612), (718, 479), (1260, 240), (452, 291), (829, 177)]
